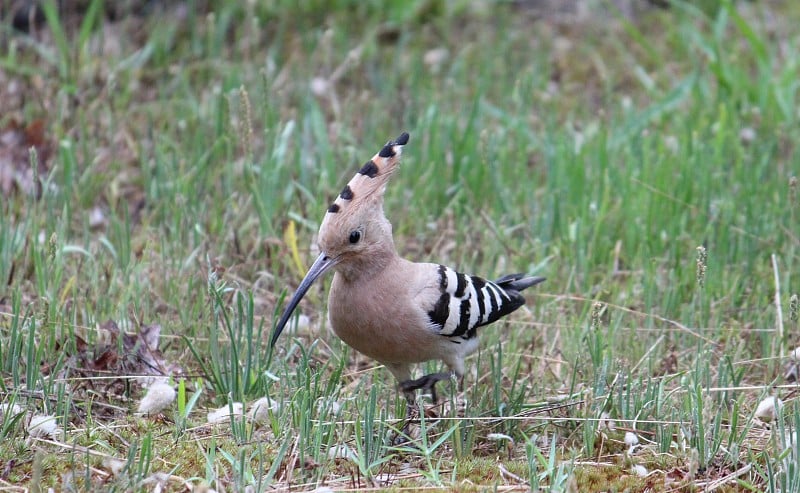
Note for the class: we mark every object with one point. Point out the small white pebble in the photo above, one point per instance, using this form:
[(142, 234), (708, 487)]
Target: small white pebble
[(224, 413), (631, 438), (10, 410), (606, 422), (341, 452), (114, 465), (43, 425), (747, 135), (159, 478), (626, 102), (672, 144), (148, 381), (97, 219), (303, 322), (158, 397), (435, 58), (766, 409), (795, 355), (320, 87), (639, 470), (329, 405), (260, 409), (499, 437)]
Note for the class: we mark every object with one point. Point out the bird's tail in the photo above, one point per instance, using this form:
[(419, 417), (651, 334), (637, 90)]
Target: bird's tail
[(518, 282)]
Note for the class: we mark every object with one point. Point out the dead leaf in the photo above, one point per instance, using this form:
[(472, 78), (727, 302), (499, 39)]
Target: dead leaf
[(7, 469), (16, 173), (117, 362)]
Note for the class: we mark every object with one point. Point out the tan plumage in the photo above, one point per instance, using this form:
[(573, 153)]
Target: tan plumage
[(390, 309), (392, 325)]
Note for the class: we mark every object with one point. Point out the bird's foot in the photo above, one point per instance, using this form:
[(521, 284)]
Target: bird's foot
[(425, 382), (411, 428), (412, 424)]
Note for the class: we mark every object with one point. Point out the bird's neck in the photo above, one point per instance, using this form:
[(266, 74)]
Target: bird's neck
[(370, 263)]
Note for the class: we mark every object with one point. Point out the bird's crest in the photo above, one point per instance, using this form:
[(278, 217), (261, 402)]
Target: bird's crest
[(370, 181)]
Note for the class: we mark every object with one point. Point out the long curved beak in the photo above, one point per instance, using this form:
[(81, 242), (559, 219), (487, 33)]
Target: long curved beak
[(319, 267)]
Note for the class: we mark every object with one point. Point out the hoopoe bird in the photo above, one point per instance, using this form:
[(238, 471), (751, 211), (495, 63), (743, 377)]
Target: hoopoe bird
[(388, 308)]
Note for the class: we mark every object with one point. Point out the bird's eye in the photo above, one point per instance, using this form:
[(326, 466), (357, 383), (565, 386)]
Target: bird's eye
[(355, 236)]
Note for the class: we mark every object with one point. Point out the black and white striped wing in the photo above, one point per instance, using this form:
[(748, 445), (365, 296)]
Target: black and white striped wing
[(468, 302)]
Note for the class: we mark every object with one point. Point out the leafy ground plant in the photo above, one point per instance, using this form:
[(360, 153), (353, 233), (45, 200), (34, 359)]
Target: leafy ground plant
[(164, 166)]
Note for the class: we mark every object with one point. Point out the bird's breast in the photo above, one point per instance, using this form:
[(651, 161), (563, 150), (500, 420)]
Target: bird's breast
[(384, 318)]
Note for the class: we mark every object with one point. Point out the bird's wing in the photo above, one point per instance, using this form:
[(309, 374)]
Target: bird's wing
[(463, 303)]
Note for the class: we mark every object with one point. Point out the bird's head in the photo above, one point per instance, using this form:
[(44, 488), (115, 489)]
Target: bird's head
[(354, 234)]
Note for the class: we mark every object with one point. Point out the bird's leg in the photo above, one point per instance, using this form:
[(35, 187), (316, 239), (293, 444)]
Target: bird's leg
[(426, 382), (411, 403), (412, 409), (412, 414), (402, 372)]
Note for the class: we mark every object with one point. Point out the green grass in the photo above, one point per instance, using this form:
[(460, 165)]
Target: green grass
[(600, 152)]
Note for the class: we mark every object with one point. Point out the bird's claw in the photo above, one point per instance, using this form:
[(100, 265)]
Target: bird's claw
[(413, 409), (425, 382)]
